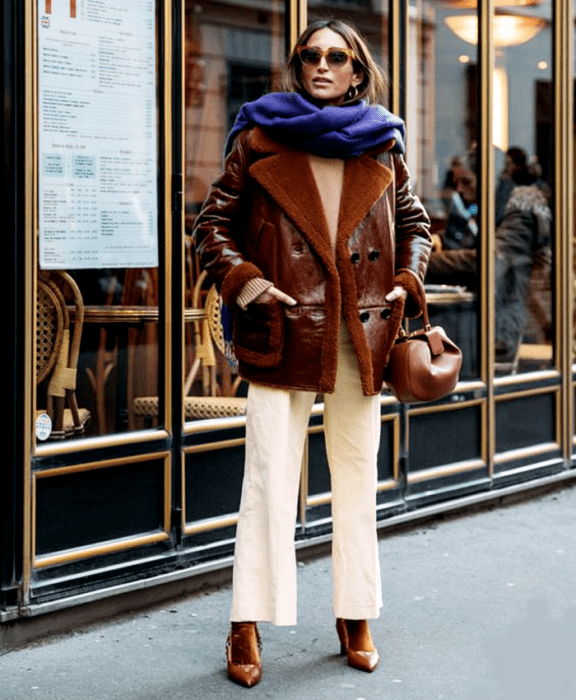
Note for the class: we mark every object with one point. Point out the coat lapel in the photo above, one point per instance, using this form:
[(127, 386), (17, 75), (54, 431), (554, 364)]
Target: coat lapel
[(288, 179), (365, 181)]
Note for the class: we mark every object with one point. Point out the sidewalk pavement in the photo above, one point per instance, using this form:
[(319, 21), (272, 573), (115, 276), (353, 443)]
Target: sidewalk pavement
[(476, 607)]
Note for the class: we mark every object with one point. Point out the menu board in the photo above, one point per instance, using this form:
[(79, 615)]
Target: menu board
[(97, 170)]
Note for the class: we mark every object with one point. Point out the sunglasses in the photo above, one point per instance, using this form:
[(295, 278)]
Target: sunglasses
[(335, 58)]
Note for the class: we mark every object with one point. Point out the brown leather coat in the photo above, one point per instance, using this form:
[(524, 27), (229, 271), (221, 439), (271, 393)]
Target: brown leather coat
[(263, 218)]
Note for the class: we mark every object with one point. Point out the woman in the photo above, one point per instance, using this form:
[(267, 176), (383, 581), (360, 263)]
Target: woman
[(318, 247)]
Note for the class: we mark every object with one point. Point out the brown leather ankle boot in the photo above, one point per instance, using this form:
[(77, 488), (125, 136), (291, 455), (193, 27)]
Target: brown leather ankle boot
[(356, 643), (243, 649)]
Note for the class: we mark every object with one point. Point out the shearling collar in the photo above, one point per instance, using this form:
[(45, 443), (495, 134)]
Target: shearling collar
[(285, 173)]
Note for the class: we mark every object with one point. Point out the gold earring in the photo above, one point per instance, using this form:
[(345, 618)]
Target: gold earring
[(352, 93)]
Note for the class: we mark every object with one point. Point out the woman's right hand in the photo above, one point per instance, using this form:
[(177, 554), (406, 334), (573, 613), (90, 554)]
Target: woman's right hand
[(271, 293)]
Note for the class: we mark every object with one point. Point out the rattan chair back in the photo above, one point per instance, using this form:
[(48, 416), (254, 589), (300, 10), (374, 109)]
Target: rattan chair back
[(49, 329), (59, 369)]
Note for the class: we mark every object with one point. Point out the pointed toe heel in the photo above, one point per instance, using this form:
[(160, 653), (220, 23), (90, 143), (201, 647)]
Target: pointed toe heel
[(358, 647), (243, 654)]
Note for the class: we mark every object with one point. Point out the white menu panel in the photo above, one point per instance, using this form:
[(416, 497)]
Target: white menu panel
[(98, 192)]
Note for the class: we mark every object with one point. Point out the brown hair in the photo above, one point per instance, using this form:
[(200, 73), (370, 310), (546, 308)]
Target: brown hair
[(374, 81)]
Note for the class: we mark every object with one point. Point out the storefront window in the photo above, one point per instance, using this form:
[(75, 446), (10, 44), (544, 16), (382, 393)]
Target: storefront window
[(442, 121), (99, 231), (233, 55), (445, 39)]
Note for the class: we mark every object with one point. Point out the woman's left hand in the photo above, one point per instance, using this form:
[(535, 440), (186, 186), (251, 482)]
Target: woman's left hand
[(397, 293)]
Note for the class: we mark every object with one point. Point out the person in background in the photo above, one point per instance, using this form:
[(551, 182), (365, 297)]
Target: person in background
[(523, 237), (518, 171), (462, 225)]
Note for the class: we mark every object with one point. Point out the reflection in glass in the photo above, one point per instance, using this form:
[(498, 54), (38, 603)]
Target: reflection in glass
[(442, 124), (232, 57), (97, 350), (508, 30), (524, 226), (522, 141)]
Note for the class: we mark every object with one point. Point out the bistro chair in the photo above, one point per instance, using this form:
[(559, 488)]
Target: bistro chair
[(127, 343), (106, 359), (57, 351), (208, 337)]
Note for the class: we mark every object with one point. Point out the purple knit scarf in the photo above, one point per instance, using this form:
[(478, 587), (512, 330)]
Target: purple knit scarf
[(332, 132)]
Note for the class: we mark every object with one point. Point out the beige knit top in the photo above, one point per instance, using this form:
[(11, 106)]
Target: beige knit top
[(329, 176)]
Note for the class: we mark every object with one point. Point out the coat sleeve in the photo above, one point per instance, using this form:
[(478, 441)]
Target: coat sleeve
[(218, 230), (413, 239)]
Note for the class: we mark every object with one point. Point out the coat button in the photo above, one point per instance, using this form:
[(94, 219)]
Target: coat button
[(364, 316), (355, 257), (386, 313), (374, 254)]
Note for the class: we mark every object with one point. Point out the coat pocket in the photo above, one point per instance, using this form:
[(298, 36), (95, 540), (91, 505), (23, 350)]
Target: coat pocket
[(259, 334)]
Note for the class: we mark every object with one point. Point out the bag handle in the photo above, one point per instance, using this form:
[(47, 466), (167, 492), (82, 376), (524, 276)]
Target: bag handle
[(435, 336), (422, 295)]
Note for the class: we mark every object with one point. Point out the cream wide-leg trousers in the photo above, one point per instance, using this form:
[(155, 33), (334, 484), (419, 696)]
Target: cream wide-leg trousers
[(264, 580)]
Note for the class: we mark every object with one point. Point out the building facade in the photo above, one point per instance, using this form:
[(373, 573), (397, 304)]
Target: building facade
[(128, 422)]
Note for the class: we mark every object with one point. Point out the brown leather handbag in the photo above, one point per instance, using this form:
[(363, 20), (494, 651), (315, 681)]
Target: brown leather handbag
[(424, 365)]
